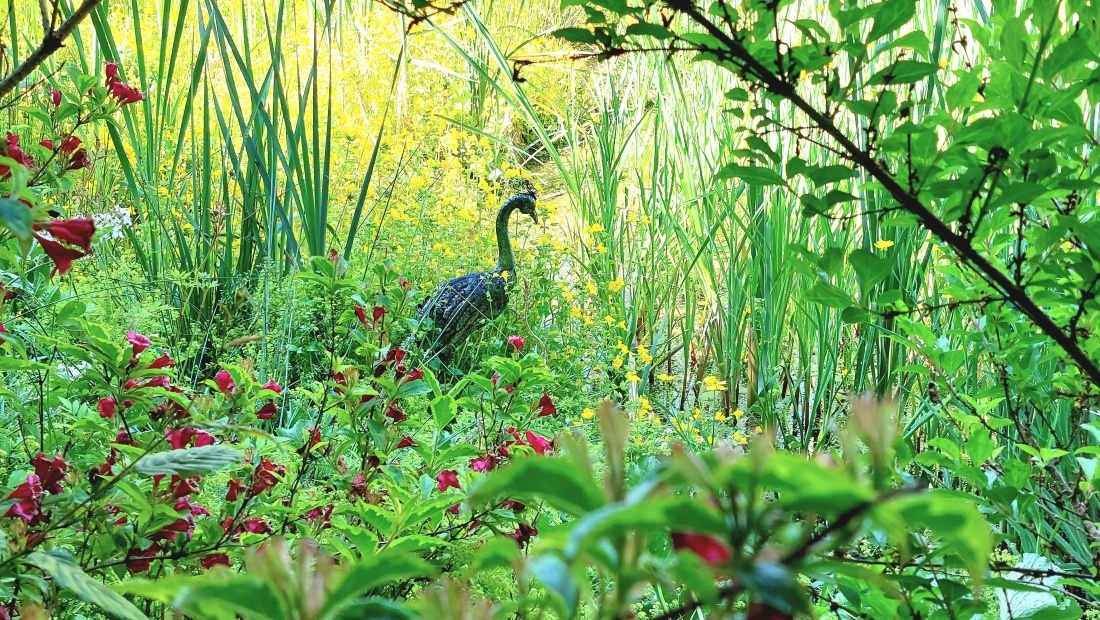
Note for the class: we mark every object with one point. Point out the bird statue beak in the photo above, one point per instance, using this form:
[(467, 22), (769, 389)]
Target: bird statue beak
[(535, 216)]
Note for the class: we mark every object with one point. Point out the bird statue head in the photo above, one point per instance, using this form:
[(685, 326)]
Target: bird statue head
[(525, 203)]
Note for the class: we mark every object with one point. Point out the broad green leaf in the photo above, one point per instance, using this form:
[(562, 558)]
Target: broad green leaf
[(903, 72), (370, 573), (753, 175), (870, 269), (556, 481), (228, 598), (444, 409), (189, 462), (16, 217), (890, 16), (953, 518), (67, 574)]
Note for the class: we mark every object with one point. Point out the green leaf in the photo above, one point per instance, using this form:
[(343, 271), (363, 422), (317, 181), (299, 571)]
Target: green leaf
[(444, 409), (370, 573), (575, 35), (67, 574), (954, 519), (228, 598), (903, 72), (650, 30), (189, 462), (16, 217), (890, 16), (554, 573), (558, 482), (753, 175), (870, 269), (804, 485)]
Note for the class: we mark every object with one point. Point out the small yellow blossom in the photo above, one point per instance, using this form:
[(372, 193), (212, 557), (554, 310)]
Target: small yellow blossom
[(758, 430), (610, 320), (643, 353), (714, 384), (664, 377), (587, 413), (631, 377), (623, 348), (601, 248), (884, 244), (595, 228), (617, 362), (719, 417), (737, 413), (591, 288), (739, 438), (616, 285)]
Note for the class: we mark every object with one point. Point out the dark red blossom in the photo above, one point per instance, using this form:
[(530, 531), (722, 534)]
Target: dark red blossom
[(139, 561), (78, 232), (517, 341), (257, 526), (50, 471), (394, 413), (483, 463), (184, 437), (271, 385), (163, 361), (107, 408), (235, 488), (376, 315), (12, 150), (361, 314), (523, 534), (55, 97), (61, 256), (184, 504), (138, 341), (182, 487), (446, 479), (214, 559), (266, 475), (29, 507), (453, 509), (225, 382), (711, 549), (267, 412), (406, 442), (73, 156), (324, 514), (546, 406), (538, 443)]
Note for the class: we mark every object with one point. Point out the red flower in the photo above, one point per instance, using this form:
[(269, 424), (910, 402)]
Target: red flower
[(139, 561), (55, 97), (75, 156), (376, 315), (61, 256), (214, 559), (124, 93), (78, 232), (163, 361), (314, 436), (406, 442), (225, 382), (271, 385), (453, 509), (29, 506), (257, 526), (394, 413), (181, 438), (13, 151), (516, 341), (184, 504), (546, 406), (183, 487), (3, 330), (235, 488), (523, 534), (107, 408), (266, 475), (710, 549), (323, 514), (446, 479), (414, 375), (483, 463), (139, 342), (361, 314), (540, 444), (514, 506), (50, 471), (47, 143), (112, 71), (267, 412)]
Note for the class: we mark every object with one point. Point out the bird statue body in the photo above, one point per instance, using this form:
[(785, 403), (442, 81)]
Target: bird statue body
[(461, 305)]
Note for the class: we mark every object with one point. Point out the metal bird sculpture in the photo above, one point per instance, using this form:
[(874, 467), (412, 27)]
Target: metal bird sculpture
[(461, 305)]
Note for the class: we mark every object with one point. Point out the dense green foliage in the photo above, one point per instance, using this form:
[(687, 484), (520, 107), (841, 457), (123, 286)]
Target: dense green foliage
[(813, 331)]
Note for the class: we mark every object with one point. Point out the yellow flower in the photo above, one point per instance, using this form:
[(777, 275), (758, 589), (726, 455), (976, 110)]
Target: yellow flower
[(588, 321), (644, 354), (601, 248), (568, 295), (719, 417), (737, 413), (884, 244), (610, 320), (623, 348), (631, 377), (617, 362), (575, 313), (758, 430), (616, 285), (504, 274), (595, 228), (739, 438), (591, 288), (713, 384), (622, 325), (664, 377), (698, 414), (587, 413)]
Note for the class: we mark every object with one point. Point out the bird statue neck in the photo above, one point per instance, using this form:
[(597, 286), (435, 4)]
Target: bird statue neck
[(506, 261)]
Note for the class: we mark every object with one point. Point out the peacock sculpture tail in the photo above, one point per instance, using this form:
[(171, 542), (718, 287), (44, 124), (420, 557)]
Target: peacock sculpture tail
[(461, 305)]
